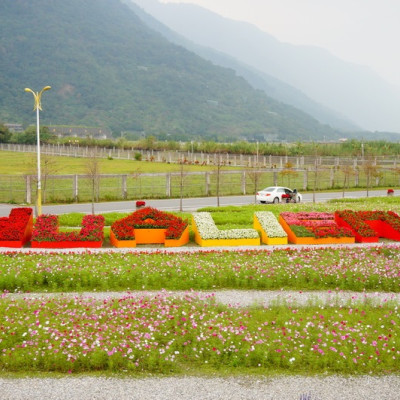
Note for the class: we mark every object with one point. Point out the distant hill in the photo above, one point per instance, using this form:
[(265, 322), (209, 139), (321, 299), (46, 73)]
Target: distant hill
[(273, 87), (109, 69), (354, 92)]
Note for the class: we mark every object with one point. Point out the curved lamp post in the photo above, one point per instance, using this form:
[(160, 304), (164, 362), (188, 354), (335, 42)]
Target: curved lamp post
[(38, 106)]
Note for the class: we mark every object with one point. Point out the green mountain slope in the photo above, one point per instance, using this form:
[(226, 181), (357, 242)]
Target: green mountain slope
[(107, 68)]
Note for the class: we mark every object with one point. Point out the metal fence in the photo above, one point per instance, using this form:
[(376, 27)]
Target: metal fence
[(78, 188)]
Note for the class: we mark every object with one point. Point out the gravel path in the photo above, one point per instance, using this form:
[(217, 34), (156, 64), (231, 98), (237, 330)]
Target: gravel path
[(189, 388), (243, 298)]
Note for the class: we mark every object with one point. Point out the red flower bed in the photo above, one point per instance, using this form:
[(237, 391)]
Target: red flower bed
[(16, 229), (46, 231), (149, 218), (370, 225), (315, 224)]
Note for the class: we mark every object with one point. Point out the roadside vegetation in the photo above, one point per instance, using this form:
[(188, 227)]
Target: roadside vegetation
[(349, 148)]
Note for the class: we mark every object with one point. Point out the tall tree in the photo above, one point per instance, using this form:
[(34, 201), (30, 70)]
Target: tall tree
[(5, 134)]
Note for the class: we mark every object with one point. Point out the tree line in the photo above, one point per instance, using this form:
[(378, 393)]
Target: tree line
[(349, 148)]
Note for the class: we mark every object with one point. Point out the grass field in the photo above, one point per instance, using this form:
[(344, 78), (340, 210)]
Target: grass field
[(57, 188), (18, 163)]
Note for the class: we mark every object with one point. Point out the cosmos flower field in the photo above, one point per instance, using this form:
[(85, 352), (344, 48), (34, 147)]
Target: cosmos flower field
[(167, 334), (375, 268)]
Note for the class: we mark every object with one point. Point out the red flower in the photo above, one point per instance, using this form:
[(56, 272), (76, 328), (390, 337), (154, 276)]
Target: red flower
[(149, 218), (13, 228), (315, 224), (46, 230), (356, 220)]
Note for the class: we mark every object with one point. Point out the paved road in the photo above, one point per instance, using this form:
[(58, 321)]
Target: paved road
[(190, 204)]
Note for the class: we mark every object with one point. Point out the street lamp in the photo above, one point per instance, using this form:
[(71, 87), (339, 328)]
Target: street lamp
[(38, 106)]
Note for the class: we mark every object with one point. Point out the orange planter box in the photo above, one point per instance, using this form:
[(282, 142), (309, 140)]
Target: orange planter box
[(151, 236), (184, 239), (311, 240), (121, 243)]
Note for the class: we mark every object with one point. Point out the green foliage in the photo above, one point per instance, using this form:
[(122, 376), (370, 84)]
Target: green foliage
[(5, 134), (29, 136)]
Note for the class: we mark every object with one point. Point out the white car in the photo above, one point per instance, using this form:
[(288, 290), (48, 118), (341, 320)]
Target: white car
[(278, 194)]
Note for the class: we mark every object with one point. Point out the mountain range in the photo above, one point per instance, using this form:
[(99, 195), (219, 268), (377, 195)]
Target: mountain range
[(334, 91), (108, 66)]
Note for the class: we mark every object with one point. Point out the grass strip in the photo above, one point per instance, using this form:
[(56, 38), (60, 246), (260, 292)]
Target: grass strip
[(310, 268)]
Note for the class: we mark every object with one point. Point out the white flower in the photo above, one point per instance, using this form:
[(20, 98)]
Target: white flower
[(270, 224), (209, 231)]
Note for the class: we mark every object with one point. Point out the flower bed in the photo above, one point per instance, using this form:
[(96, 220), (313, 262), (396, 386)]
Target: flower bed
[(207, 234), (314, 228), (46, 235), (271, 231), (16, 229), (369, 226), (149, 226), (162, 334)]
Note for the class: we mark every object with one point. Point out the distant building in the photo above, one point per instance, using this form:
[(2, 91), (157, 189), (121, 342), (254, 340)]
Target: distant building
[(80, 131), (14, 127)]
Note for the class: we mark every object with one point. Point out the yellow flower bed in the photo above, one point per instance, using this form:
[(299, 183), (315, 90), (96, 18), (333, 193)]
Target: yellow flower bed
[(222, 242), (265, 238)]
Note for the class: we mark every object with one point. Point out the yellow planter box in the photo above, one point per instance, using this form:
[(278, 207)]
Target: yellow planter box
[(222, 242), (311, 240), (228, 242), (265, 238)]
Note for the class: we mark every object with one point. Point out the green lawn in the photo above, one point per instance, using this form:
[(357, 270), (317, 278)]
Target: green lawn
[(18, 163)]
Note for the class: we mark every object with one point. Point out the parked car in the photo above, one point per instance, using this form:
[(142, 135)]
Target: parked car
[(276, 194)]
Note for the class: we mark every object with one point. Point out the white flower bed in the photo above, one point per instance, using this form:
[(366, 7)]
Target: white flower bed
[(209, 231), (270, 224)]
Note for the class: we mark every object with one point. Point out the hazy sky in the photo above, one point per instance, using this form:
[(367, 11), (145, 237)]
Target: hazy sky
[(366, 32)]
